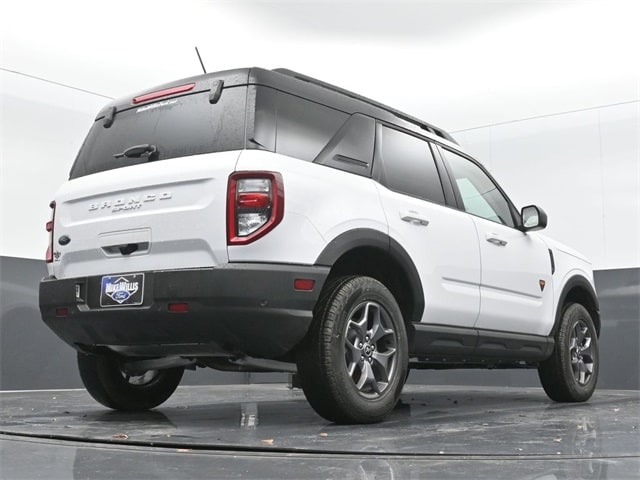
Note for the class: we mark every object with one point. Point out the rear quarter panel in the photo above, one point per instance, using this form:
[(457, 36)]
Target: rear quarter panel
[(320, 203)]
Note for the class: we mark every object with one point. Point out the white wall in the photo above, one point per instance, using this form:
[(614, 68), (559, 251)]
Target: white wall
[(42, 126), (582, 167), (458, 64)]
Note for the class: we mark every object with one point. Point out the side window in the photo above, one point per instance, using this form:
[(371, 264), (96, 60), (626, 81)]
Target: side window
[(479, 194), (408, 165), (304, 127), (299, 128)]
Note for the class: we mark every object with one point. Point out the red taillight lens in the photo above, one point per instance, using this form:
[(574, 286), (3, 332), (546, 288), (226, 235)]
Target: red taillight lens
[(163, 93), (49, 228), (255, 205), (254, 199)]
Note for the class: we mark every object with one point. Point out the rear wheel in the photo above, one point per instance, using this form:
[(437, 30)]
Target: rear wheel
[(353, 364), (108, 382), (571, 373)]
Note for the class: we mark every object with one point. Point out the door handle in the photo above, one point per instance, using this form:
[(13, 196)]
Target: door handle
[(414, 218), (493, 238)]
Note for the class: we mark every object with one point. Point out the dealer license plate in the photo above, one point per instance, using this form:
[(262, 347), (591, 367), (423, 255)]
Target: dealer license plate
[(122, 290)]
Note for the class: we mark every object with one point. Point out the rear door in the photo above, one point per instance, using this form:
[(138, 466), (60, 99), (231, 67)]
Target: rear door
[(441, 240), (516, 290)]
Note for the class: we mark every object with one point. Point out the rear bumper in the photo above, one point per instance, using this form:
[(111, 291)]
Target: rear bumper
[(250, 309)]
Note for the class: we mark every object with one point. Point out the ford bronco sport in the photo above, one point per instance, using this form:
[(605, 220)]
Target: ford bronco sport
[(263, 220)]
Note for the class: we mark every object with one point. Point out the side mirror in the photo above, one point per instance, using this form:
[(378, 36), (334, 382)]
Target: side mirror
[(533, 218)]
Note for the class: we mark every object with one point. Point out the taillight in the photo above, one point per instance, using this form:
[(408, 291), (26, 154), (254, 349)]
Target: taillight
[(255, 205), (49, 227)]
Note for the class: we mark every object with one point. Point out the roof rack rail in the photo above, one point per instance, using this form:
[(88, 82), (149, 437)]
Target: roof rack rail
[(425, 126)]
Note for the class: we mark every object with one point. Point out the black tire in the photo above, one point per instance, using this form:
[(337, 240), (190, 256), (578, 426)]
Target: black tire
[(105, 380), (353, 363), (571, 373)]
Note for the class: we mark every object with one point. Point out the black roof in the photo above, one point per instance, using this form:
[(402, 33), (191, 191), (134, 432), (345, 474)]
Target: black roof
[(397, 113), (297, 84)]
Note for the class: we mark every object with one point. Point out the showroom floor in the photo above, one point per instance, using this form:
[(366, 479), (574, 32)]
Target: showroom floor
[(269, 431)]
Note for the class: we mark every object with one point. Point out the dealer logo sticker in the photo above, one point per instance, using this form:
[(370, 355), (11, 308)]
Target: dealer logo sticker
[(121, 290)]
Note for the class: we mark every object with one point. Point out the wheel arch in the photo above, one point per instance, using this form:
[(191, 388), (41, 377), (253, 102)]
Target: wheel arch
[(373, 253), (578, 290)]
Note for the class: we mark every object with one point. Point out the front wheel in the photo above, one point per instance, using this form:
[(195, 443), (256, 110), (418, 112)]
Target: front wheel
[(108, 383), (571, 373), (353, 364)]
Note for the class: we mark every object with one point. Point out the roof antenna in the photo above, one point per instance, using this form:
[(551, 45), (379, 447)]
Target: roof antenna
[(200, 58)]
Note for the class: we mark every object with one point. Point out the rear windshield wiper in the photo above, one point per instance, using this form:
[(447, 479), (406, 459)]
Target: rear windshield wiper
[(144, 151)]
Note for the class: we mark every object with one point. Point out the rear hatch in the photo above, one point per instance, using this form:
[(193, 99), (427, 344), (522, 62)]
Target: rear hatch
[(148, 188)]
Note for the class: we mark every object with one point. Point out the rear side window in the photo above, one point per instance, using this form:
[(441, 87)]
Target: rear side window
[(305, 127), (176, 127), (291, 125), (408, 165)]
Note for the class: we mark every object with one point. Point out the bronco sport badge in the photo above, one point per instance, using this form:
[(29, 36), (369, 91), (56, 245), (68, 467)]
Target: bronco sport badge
[(121, 290)]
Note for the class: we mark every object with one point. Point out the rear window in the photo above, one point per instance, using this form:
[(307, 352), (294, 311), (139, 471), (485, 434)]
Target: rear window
[(176, 127)]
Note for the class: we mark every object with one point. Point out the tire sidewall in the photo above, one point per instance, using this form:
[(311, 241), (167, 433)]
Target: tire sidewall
[(367, 289), (573, 314)]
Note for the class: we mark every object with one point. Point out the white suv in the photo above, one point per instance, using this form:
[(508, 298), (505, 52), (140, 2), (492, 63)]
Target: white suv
[(262, 220)]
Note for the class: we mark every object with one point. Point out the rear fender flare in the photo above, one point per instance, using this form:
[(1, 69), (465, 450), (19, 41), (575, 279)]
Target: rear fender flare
[(369, 238)]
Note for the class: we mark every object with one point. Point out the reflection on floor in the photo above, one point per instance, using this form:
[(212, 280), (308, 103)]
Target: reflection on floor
[(269, 431)]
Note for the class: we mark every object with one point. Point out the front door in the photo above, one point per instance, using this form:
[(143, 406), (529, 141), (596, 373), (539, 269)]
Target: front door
[(516, 291), (516, 294)]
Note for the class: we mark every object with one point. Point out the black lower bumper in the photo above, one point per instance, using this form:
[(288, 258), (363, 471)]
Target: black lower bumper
[(250, 309)]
